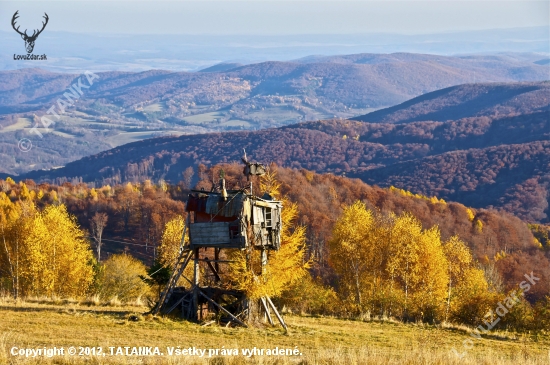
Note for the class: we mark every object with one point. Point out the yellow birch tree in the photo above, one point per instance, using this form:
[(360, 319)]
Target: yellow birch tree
[(354, 253), (284, 267), (56, 259)]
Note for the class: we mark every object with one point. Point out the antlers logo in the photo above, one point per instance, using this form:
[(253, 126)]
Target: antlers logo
[(29, 40)]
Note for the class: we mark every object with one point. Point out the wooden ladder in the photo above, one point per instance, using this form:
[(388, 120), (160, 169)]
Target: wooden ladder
[(183, 261)]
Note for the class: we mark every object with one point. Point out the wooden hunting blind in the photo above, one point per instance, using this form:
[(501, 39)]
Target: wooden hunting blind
[(236, 220), (217, 220)]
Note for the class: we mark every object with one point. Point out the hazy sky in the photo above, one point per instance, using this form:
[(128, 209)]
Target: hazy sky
[(275, 17)]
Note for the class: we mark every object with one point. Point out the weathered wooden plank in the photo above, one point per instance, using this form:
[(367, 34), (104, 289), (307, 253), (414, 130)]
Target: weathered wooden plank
[(210, 234), (219, 245), (212, 237), (185, 256), (213, 242), (215, 233), (214, 225), (211, 224), (217, 236), (266, 204), (208, 230)]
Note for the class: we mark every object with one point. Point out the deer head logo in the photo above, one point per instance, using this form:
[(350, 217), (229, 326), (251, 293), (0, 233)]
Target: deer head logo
[(29, 39)]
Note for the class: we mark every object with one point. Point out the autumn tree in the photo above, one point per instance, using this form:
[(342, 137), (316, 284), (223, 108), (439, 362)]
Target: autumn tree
[(11, 235), (97, 225), (127, 199), (55, 258), (388, 261), (354, 252), (429, 277), (171, 243), (466, 281), (44, 252), (187, 176)]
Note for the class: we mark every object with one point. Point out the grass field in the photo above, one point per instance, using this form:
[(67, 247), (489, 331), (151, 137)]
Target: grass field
[(281, 114), (22, 123), (128, 137), (319, 340), (203, 118), (157, 107)]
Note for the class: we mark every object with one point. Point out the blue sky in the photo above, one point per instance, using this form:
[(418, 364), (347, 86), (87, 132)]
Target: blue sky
[(275, 17)]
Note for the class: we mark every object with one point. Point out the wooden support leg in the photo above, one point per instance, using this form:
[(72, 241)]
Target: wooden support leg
[(218, 278), (277, 313), (266, 309)]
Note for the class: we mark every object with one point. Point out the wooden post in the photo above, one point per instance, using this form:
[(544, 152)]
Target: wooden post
[(196, 273), (277, 313), (266, 309), (217, 258)]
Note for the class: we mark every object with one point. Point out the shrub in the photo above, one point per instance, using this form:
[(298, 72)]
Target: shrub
[(120, 277), (310, 296)]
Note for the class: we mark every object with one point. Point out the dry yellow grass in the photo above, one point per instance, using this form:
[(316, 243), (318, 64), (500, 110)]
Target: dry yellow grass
[(39, 323)]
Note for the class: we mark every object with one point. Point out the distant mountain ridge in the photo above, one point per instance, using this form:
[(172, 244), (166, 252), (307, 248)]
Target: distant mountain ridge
[(369, 79), (192, 52), (221, 67), (470, 100)]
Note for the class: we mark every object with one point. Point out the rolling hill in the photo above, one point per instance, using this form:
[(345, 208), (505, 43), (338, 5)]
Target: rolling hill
[(496, 161), (122, 107), (470, 100), (363, 80), (514, 177)]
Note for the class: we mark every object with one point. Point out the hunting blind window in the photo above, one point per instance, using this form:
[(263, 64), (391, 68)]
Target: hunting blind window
[(268, 217)]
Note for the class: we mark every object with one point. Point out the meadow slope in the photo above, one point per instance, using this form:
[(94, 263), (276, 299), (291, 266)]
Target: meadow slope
[(321, 340)]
